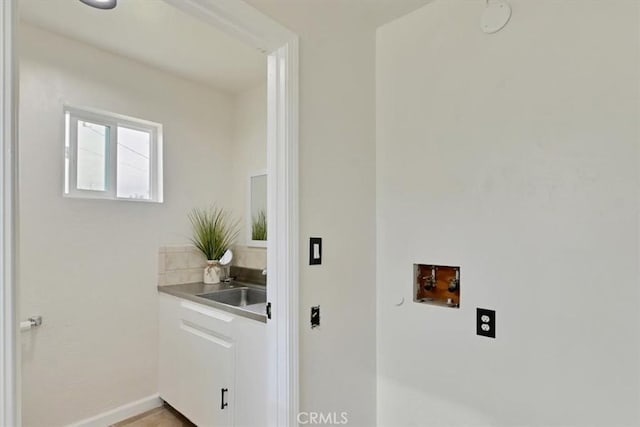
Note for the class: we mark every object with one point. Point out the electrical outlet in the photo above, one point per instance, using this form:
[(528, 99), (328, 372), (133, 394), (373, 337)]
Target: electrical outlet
[(486, 322), (315, 316)]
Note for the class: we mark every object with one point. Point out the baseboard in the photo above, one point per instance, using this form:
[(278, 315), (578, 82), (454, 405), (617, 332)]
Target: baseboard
[(121, 413)]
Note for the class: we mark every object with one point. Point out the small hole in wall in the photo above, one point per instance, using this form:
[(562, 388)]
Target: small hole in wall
[(436, 285)]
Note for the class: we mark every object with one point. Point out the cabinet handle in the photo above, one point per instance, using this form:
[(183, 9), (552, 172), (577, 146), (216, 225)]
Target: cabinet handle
[(223, 404)]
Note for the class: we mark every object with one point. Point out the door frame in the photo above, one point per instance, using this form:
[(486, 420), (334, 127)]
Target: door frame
[(243, 22), (9, 350)]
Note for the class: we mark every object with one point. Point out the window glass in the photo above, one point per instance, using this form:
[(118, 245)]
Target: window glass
[(134, 164), (93, 143)]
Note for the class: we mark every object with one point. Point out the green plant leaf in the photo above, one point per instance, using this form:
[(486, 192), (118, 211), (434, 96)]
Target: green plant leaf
[(213, 231), (259, 226)]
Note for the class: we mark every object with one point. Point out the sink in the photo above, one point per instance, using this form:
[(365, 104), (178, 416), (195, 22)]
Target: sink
[(239, 297)]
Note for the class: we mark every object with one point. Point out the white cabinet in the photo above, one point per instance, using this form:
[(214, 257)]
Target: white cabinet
[(212, 364), (207, 376)]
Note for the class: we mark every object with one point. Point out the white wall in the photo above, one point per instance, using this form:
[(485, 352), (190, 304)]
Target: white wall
[(337, 201), (90, 266), (249, 153), (515, 156)]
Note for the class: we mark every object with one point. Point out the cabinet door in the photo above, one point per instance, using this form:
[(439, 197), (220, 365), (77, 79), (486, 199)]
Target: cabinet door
[(196, 361), (208, 368)]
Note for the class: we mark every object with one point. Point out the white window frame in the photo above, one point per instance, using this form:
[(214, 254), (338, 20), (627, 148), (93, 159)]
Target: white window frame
[(112, 121)]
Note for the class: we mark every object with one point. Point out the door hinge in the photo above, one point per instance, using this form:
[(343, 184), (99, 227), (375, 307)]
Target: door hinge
[(268, 310)]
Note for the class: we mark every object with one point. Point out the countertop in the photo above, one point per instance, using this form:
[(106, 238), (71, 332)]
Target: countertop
[(191, 291)]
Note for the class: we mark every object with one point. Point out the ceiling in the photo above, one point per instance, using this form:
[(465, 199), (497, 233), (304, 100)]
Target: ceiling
[(322, 16), (157, 34)]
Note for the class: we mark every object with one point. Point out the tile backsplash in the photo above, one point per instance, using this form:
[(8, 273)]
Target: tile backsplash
[(247, 257), (185, 264), (180, 264)]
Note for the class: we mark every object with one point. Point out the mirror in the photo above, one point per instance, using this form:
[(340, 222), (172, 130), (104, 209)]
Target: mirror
[(257, 217)]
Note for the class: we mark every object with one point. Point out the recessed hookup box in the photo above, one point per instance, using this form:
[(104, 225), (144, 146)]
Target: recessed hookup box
[(436, 285)]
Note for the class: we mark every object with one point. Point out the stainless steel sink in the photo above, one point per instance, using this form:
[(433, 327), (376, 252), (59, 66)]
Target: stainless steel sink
[(239, 297)]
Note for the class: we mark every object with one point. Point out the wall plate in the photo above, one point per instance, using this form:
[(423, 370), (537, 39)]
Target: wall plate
[(495, 16), (315, 251), (486, 322)]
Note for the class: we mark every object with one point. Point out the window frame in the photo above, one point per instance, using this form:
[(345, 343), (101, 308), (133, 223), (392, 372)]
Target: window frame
[(112, 121)]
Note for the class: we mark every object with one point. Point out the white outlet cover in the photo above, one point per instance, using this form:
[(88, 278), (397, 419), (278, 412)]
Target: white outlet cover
[(495, 16)]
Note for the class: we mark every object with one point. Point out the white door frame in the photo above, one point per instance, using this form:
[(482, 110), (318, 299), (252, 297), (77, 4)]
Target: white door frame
[(247, 24), (9, 353)]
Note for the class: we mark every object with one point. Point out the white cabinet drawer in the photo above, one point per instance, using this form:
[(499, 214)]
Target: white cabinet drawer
[(207, 318)]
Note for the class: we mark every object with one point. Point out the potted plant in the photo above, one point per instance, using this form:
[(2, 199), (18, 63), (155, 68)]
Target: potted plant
[(259, 226), (213, 233)]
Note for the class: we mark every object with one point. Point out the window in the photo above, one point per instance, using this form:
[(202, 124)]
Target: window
[(110, 156)]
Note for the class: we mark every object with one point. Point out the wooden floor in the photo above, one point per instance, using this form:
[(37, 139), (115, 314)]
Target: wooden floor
[(164, 416)]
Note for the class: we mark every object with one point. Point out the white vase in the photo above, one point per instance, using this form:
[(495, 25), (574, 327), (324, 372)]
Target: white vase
[(212, 272)]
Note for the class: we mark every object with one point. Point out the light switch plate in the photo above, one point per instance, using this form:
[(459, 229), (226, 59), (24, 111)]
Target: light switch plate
[(315, 251)]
